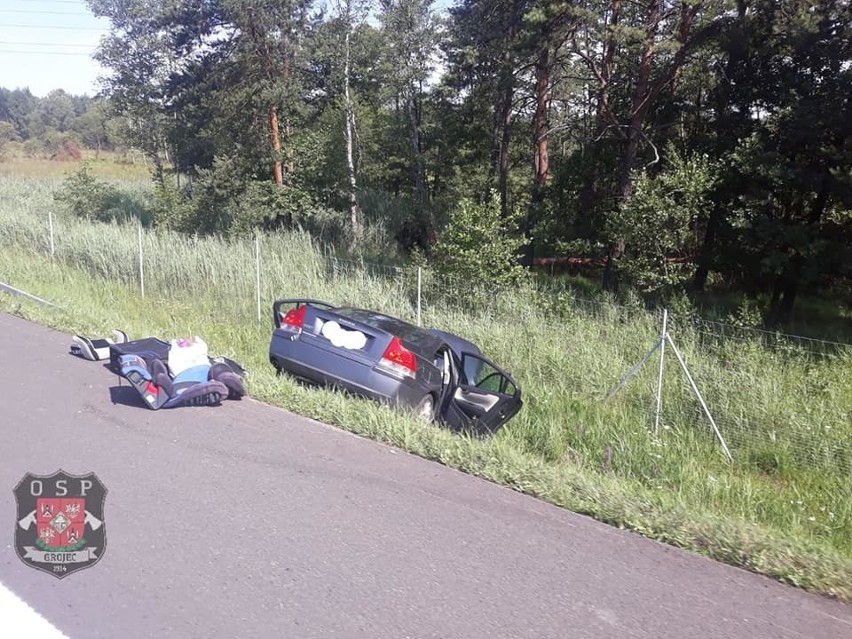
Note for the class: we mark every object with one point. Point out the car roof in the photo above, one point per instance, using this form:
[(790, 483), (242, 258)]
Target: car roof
[(458, 344)]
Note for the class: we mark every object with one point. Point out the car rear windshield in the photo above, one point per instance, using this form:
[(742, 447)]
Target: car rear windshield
[(424, 341)]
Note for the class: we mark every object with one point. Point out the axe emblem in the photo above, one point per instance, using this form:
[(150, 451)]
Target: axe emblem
[(28, 521), (93, 521)]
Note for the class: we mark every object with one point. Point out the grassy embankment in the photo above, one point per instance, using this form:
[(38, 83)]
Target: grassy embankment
[(781, 509)]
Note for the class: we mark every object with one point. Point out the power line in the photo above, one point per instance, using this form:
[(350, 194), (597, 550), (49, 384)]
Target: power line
[(19, 52), (46, 12), (46, 44), (44, 26)]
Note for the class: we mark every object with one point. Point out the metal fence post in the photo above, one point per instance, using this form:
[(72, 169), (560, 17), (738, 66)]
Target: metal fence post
[(632, 372), (257, 272), (52, 243), (660, 378), (419, 289), (700, 398), (141, 260)]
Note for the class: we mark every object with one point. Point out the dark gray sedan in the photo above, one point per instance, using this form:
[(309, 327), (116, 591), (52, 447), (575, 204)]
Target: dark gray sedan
[(441, 376)]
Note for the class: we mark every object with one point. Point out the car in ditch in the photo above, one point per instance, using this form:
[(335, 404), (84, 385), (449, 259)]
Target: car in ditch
[(442, 377)]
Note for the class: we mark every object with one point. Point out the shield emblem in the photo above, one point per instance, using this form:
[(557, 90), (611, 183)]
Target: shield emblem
[(60, 527)]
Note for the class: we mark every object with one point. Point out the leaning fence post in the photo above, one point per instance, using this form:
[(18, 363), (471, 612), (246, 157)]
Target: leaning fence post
[(141, 260), (419, 288), (632, 372), (700, 399), (660, 378)]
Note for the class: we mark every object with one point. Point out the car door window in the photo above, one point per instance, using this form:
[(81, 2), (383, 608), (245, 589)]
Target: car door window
[(486, 377)]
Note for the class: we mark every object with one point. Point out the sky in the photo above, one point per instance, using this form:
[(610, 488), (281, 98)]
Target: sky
[(48, 44)]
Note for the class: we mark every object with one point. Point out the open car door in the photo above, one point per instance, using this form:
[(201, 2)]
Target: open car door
[(484, 397)]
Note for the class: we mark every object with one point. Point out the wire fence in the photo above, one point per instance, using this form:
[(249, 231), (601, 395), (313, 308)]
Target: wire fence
[(715, 334), (803, 420)]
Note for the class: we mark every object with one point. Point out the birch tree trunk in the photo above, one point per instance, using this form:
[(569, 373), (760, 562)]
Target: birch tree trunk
[(354, 209)]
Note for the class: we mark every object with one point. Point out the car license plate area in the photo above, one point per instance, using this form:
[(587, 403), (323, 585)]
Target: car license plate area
[(341, 336)]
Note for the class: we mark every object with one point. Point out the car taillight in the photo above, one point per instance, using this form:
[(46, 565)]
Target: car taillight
[(295, 318), (398, 359)]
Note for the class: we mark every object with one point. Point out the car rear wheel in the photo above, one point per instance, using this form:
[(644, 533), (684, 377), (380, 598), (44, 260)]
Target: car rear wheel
[(425, 409)]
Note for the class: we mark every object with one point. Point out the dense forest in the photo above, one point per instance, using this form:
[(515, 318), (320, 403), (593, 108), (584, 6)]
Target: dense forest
[(671, 145), (57, 125)]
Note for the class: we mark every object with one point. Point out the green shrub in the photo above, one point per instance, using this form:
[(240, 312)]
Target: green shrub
[(664, 215), (91, 199), (7, 134), (747, 314), (172, 209), (479, 245), (222, 200), (269, 207)]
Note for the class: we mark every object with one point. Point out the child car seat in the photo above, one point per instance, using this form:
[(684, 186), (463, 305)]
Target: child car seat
[(167, 374), (201, 385), (96, 349)]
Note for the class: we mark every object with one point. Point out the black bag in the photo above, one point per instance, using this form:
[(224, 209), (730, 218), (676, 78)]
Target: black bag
[(149, 349)]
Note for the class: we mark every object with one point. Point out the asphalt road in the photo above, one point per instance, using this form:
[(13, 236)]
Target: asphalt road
[(247, 521)]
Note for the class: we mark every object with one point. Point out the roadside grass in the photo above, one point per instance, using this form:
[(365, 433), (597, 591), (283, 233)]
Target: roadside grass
[(780, 509)]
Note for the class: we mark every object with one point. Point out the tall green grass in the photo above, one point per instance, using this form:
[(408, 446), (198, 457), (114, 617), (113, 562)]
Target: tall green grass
[(781, 507)]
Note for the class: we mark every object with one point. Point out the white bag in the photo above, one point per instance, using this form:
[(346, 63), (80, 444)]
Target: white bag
[(185, 353)]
